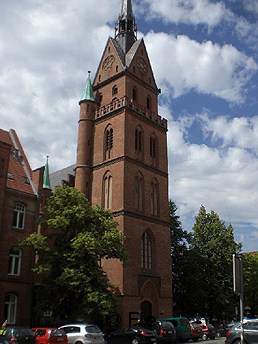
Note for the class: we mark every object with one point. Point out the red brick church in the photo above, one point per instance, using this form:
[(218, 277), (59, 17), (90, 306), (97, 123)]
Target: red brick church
[(122, 165)]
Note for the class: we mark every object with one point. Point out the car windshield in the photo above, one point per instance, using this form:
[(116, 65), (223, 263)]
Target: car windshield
[(92, 329)]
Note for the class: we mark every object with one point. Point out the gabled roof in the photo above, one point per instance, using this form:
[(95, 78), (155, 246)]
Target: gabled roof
[(19, 171)]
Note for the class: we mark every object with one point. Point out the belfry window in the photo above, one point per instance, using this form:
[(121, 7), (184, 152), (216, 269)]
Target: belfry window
[(114, 90), (108, 142), (107, 191), (138, 143), (139, 193), (135, 96), (154, 198), (146, 252)]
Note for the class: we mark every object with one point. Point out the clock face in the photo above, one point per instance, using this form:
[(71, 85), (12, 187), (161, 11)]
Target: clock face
[(108, 62), (141, 64)]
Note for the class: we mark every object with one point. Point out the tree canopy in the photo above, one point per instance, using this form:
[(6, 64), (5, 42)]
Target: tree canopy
[(74, 238)]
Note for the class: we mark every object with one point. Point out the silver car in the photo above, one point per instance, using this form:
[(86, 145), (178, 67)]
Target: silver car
[(250, 332), (83, 334)]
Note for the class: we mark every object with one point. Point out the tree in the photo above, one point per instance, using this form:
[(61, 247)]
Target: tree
[(184, 262), (215, 245), (250, 272), (77, 236)]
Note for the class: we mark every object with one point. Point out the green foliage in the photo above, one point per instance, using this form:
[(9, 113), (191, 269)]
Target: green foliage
[(77, 236), (202, 266), (250, 271)]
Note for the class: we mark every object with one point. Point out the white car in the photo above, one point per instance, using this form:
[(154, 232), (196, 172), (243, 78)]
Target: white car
[(83, 334)]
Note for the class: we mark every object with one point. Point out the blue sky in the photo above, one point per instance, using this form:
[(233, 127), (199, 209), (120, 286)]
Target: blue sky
[(204, 57)]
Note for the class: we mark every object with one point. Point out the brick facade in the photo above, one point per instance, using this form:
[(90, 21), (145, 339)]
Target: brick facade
[(126, 100)]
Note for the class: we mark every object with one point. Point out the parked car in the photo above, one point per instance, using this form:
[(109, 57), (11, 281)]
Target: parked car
[(17, 335), (46, 335), (196, 331), (182, 326), (144, 335), (250, 332), (83, 334), (165, 331), (208, 331), (121, 335)]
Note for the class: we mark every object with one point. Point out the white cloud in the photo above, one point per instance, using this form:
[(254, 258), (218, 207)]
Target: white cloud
[(187, 11), (208, 68)]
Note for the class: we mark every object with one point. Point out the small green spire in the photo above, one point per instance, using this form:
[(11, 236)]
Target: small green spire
[(46, 179), (88, 91)]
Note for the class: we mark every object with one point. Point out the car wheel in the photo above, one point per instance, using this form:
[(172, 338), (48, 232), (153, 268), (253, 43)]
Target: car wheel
[(135, 341), (204, 336), (218, 334)]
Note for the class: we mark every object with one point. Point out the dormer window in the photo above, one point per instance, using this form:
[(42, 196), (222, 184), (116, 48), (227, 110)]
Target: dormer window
[(10, 176)]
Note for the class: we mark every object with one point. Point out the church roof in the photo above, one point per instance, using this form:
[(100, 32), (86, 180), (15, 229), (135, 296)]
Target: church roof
[(88, 91), (19, 174)]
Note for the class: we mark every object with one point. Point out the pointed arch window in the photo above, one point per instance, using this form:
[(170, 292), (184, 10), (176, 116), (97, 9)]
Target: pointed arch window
[(138, 142), (108, 144), (146, 251), (107, 189), (148, 102), (14, 265), (135, 94), (10, 307), (154, 198), (114, 90), (19, 216), (139, 193), (154, 150)]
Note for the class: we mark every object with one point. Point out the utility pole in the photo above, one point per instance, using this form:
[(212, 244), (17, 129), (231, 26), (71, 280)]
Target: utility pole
[(238, 287)]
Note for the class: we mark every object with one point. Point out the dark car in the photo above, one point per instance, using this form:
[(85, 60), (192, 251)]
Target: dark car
[(182, 326), (144, 335), (46, 335), (166, 332), (17, 335), (196, 331), (121, 335), (208, 331), (250, 332)]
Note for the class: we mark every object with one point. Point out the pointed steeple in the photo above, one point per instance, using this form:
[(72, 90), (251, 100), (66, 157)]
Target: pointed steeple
[(46, 179), (126, 30), (88, 91)]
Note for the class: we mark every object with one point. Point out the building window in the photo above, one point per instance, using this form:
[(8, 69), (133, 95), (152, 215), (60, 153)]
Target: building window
[(108, 142), (14, 266), (139, 193), (1, 168), (148, 102), (114, 90), (154, 198), (135, 94), (10, 306), (146, 252), (19, 216), (138, 143), (154, 150), (108, 191)]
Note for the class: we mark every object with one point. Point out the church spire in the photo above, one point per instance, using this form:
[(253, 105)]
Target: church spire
[(126, 30), (46, 179)]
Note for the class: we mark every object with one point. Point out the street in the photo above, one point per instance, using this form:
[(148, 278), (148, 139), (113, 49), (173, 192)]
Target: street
[(210, 341)]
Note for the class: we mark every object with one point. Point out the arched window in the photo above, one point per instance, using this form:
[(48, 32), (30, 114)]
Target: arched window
[(138, 142), (148, 102), (154, 198), (107, 191), (108, 144), (135, 93), (14, 265), (146, 252), (19, 216), (10, 306), (139, 193), (154, 150), (114, 90), (100, 98)]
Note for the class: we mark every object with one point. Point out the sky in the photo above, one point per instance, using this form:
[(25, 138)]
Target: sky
[(204, 55)]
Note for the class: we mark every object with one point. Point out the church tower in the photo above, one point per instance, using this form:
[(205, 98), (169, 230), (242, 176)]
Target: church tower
[(122, 166)]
